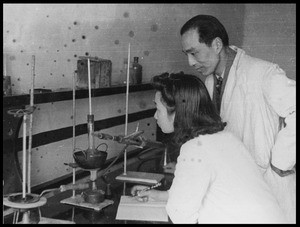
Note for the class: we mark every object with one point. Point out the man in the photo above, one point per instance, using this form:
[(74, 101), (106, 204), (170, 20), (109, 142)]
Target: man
[(254, 97)]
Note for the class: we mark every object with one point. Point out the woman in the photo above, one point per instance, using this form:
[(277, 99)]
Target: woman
[(216, 179)]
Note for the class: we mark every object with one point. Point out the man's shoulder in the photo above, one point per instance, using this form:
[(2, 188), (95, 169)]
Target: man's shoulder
[(255, 68), (251, 62)]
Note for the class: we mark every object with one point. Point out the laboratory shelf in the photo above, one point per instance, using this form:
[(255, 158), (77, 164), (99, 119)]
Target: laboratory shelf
[(56, 96)]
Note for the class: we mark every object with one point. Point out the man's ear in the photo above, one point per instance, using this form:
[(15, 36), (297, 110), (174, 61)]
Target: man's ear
[(217, 44)]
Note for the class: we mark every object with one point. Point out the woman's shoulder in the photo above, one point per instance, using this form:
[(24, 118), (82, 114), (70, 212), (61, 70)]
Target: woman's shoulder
[(206, 147), (192, 151), (215, 137), (192, 147), (209, 141), (193, 143), (201, 144)]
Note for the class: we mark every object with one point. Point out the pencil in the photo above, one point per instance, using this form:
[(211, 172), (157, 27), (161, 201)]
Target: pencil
[(149, 188)]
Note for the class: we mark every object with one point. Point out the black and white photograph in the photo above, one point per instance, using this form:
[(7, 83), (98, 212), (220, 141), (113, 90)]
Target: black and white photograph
[(149, 113)]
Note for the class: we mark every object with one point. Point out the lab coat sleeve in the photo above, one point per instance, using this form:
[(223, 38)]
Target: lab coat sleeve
[(190, 185), (280, 93)]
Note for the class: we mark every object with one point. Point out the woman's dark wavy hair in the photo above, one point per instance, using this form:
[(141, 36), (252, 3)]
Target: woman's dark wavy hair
[(187, 96), (208, 28)]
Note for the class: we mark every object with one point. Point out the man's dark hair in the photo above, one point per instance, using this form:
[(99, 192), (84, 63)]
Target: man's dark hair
[(208, 28)]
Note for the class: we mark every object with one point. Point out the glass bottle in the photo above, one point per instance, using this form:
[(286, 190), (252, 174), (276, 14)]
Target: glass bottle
[(137, 71)]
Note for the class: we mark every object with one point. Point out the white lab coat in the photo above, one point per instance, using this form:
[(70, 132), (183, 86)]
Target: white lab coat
[(217, 181), (256, 94)]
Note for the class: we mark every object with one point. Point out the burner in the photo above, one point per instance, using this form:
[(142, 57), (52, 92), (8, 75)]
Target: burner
[(93, 196)]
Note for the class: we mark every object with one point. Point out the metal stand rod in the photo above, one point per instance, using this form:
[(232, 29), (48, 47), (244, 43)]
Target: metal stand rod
[(93, 179), (90, 116), (17, 217), (124, 188), (25, 219), (90, 124), (14, 218), (24, 158), (30, 126), (126, 114), (73, 139), (73, 213), (127, 90), (89, 81)]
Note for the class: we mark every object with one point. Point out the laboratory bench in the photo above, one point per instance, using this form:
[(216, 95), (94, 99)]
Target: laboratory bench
[(56, 210)]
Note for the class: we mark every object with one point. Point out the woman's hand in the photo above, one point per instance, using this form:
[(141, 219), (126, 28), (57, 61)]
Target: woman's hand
[(143, 195), (139, 191)]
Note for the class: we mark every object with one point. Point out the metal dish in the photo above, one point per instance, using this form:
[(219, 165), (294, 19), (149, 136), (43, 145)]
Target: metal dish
[(90, 159)]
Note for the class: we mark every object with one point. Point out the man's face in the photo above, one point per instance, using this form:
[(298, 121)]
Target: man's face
[(200, 56)]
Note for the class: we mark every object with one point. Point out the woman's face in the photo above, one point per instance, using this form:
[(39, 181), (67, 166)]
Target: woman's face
[(164, 120)]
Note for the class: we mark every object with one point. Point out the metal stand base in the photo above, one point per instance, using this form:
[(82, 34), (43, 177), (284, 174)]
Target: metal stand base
[(13, 201), (79, 202)]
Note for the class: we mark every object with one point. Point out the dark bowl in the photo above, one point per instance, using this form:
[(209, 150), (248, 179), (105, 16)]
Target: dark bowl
[(90, 160), (93, 196)]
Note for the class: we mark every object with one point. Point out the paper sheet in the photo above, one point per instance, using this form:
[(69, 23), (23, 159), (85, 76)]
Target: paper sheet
[(132, 209)]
